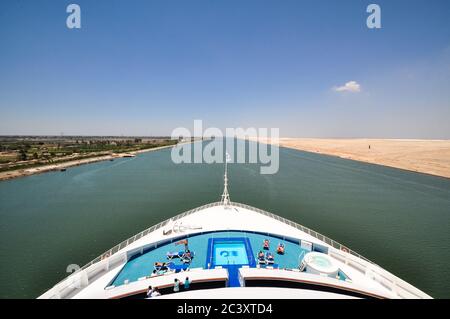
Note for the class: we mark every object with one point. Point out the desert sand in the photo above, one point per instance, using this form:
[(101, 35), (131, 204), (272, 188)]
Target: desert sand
[(424, 156)]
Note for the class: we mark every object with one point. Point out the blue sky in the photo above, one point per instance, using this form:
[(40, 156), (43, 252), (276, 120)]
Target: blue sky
[(145, 67)]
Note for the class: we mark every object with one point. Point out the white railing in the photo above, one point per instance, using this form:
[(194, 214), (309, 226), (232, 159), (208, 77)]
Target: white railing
[(104, 262), (145, 232), (304, 229)]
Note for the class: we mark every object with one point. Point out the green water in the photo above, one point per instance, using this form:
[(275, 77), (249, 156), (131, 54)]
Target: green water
[(398, 219)]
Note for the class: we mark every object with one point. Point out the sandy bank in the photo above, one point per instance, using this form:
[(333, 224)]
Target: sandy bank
[(424, 156)]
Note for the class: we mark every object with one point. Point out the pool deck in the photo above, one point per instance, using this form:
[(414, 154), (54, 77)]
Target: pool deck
[(204, 246), (91, 282)]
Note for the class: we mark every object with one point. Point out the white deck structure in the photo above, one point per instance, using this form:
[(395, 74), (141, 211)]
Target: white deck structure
[(366, 278)]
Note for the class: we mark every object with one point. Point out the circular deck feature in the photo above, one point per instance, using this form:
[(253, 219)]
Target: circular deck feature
[(319, 263)]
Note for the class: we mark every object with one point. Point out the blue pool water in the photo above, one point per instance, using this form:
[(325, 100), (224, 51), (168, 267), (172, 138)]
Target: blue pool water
[(242, 244), (230, 254)]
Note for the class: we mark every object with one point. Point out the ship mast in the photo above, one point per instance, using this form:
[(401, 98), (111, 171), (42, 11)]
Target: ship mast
[(225, 195)]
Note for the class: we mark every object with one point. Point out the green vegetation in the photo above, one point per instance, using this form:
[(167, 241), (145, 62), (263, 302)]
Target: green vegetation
[(18, 152)]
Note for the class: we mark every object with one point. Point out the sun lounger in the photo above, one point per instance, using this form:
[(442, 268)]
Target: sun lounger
[(162, 266), (174, 254), (178, 268), (269, 259)]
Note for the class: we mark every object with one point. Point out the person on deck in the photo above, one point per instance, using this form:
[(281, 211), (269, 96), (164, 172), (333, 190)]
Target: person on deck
[(149, 291), (280, 249), (176, 285), (184, 242), (160, 267), (155, 293), (187, 283), (266, 244), (187, 257), (261, 259)]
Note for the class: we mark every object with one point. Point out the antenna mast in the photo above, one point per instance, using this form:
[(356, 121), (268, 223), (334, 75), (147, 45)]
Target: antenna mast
[(225, 194)]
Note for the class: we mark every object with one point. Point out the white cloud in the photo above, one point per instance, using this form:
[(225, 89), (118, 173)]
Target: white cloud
[(351, 86)]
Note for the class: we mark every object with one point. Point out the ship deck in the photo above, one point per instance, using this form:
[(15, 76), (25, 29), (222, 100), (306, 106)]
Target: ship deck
[(237, 230), (207, 255)]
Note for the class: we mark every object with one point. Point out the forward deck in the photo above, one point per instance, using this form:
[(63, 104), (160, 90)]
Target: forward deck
[(127, 269)]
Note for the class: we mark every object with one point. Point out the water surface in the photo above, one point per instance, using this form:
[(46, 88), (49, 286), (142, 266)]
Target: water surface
[(399, 219)]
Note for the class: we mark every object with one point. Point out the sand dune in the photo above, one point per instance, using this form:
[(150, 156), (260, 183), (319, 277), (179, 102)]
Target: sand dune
[(425, 156)]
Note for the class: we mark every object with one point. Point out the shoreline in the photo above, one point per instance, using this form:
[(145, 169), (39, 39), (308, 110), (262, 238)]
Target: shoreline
[(429, 157), (371, 163), (13, 174)]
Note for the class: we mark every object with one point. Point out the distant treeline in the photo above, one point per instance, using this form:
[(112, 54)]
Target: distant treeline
[(31, 151)]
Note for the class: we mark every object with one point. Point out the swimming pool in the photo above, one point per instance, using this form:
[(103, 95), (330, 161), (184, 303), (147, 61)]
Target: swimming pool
[(230, 254)]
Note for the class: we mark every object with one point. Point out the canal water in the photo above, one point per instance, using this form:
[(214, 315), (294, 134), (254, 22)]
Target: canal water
[(398, 219)]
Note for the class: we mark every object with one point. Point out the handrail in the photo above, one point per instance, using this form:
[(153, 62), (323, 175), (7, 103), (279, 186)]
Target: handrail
[(132, 239), (305, 229)]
